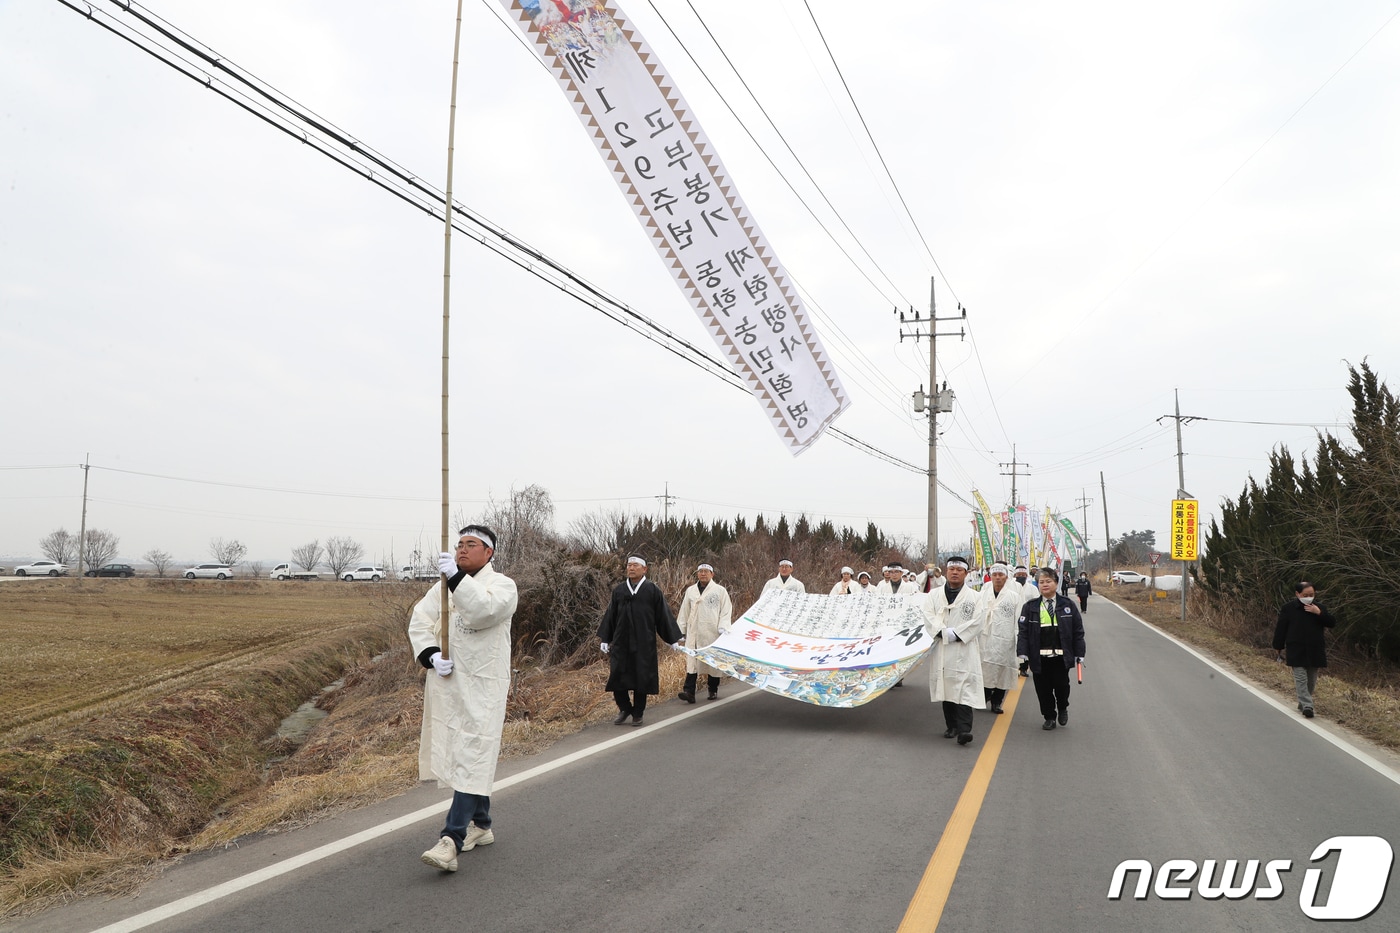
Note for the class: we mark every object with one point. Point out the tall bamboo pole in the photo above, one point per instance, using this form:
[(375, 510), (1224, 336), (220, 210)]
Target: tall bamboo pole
[(446, 312)]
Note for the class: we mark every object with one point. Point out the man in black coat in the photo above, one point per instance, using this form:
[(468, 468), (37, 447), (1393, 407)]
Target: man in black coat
[(636, 614), (1050, 638), (1300, 630)]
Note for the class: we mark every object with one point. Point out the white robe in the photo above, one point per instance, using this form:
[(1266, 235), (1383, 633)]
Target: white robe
[(701, 620), (955, 669), (883, 588), (922, 577), (463, 714), (998, 638), (845, 589), (793, 584)]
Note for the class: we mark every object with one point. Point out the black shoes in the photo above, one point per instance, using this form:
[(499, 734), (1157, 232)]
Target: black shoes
[(964, 738), (948, 734), (1064, 717), (714, 695), (621, 719), (689, 696), (998, 710), (636, 720), (1307, 714), (1048, 725)]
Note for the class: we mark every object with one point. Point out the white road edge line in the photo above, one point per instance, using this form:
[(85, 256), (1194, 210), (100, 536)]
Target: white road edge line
[(1374, 764), (209, 895)]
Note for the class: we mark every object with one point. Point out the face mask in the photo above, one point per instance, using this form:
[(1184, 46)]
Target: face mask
[(1306, 600)]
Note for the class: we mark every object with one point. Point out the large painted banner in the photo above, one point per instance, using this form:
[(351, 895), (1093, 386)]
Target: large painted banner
[(827, 650), (685, 200)]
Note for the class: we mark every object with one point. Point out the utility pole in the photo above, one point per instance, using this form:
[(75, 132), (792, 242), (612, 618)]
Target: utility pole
[(1013, 464), (1083, 504), (1181, 492), (938, 400), (82, 524), (1108, 539), (666, 504)]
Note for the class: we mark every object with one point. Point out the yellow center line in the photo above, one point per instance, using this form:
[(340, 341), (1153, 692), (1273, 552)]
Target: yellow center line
[(931, 896)]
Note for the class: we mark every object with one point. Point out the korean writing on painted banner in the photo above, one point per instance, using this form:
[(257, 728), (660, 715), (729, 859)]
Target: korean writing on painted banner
[(1185, 530), (814, 631), (665, 165)]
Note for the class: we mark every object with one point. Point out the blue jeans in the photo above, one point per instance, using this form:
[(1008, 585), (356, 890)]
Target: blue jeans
[(466, 808)]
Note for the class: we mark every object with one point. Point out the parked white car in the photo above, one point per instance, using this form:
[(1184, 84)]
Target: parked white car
[(1128, 576), (209, 571), (408, 572), (42, 568), (367, 572)]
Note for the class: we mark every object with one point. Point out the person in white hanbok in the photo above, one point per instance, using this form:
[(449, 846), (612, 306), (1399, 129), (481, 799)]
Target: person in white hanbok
[(845, 586), (1001, 605), (863, 578), (785, 580), (955, 664), (705, 614), (464, 696), (893, 584)]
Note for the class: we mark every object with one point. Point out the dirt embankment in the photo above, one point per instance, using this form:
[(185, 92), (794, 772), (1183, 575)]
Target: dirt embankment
[(140, 719)]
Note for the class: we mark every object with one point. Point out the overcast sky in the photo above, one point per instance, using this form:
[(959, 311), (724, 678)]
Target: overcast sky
[(245, 337)]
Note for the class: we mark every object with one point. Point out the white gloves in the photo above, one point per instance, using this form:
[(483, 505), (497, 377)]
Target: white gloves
[(442, 665), (1078, 660), (1022, 658), (604, 646), (447, 564), (950, 635)]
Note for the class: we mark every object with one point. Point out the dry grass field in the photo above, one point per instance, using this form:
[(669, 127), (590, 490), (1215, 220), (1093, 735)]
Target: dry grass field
[(138, 718)]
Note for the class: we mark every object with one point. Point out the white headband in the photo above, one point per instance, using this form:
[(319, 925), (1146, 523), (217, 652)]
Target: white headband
[(481, 536), (782, 563), (999, 567), (847, 570), (957, 563), (634, 559), (705, 567)]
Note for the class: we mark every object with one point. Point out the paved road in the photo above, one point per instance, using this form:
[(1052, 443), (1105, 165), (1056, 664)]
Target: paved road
[(758, 813)]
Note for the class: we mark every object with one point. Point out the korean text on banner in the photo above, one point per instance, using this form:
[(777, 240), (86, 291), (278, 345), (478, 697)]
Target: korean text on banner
[(839, 651), (1185, 531), (684, 199)]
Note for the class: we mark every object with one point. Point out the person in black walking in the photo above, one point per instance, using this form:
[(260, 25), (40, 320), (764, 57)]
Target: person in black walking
[(1050, 638), (1300, 633), (1082, 589), (635, 616)]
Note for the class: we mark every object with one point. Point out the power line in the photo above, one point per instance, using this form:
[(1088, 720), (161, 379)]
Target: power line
[(410, 188)]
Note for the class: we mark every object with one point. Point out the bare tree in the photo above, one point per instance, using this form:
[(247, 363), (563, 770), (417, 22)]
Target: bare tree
[(98, 547), (227, 552), (60, 545), (524, 523), (308, 555), (158, 559), (255, 569), (341, 553)]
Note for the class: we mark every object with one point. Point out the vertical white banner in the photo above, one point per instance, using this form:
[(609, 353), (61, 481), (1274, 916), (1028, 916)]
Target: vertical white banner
[(684, 199)]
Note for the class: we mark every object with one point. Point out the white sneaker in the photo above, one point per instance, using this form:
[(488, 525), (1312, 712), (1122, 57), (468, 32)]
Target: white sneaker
[(443, 855), (476, 836)]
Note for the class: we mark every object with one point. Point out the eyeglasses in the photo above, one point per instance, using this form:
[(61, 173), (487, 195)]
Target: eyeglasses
[(468, 545)]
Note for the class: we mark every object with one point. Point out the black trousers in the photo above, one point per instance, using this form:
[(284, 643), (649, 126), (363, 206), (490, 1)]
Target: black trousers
[(638, 704), (994, 695), (957, 716), (1052, 687), (711, 681)]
